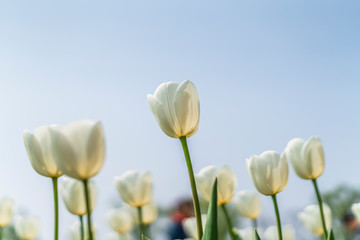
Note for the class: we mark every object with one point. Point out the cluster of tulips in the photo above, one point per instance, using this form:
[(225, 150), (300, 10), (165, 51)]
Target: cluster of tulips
[(78, 151)]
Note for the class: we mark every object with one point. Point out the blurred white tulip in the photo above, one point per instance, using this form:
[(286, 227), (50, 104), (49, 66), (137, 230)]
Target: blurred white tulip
[(149, 212), (189, 225), (288, 233), (269, 172), (248, 204), (311, 218), (75, 231), (306, 157), (26, 228), (80, 149), (176, 108), (355, 208), (40, 149), (120, 220), (248, 233), (135, 188), (227, 183), (7, 208), (72, 192)]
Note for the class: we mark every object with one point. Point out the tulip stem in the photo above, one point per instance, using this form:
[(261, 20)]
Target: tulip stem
[(254, 223), (141, 224), (87, 200), (320, 207), (278, 222), (56, 208), (82, 227), (228, 222), (193, 187)]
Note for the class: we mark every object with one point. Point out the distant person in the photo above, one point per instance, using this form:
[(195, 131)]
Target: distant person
[(352, 226), (183, 210)]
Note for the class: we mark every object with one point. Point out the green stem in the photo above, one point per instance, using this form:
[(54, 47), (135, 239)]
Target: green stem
[(320, 207), (141, 224), (82, 227), (254, 223), (56, 208), (228, 222), (277, 216), (87, 200), (193, 187), (1, 232)]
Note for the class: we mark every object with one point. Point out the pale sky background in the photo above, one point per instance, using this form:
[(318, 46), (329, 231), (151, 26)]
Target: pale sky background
[(266, 72)]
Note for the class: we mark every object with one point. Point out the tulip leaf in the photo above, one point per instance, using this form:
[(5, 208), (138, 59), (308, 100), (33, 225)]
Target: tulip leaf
[(211, 227), (256, 235), (331, 235)]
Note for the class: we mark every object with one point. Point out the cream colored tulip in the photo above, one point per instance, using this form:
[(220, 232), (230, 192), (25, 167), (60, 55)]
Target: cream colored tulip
[(311, 218), (176, 108), (135, 188), (269, 172), (7, 209), (248, 204), (306, 157), (120, 220), (189, 225), (26, 228), (149, 213), (75, 231), (80, 149), (72, 192), (226, 183), (288, 233), (355, 208), (40, 149), (248, 233)]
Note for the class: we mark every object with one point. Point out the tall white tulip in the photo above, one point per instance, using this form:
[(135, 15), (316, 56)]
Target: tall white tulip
[(189, 225), (120, 220), (355, 208), (311, 218), (226, 180), (288, 232), (76, 231), (176, 108), (72, 192), (7, 209), (26, 228), (248, 204), (306, 157)]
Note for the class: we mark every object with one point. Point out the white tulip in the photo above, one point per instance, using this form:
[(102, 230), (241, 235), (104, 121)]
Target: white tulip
[(120, 220), (269, 172), (226, 180), (135, 188), (248, 233), (149, 213), (355, 208), (75, 231), (288, 233), (306, 157), (311, 218), (26, 228), (176, 108), (72, 192), (190, 228), (40, 149), (7, 209), (80, 149), (248, 204)]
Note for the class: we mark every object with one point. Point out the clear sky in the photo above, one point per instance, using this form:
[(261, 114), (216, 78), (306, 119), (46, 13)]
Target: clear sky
[(266, 72)]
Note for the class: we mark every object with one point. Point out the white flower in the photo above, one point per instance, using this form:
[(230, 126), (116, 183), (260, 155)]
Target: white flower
[(75, 231), (311, 218), (355, 208), (248, 204), (190, 228), (7, 209), (288, 233), (120, 220), (26, 228), (248, 233), (149, 212)]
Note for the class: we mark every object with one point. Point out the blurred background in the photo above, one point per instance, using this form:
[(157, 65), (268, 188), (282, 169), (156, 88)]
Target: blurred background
[(266, 72)]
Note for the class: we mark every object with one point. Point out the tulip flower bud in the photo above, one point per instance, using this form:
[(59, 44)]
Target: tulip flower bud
[(226, 183), (7, 209), (72, 192), (75, 232), (40, 149), (176, 108), (189, 225), (26, 228), (120, 220), (248, 204), (311, 218), (355, 208), (307, 158), (269, 172), (80, 149), (288, 233), (149, 213), (135, 188), (248, 233)]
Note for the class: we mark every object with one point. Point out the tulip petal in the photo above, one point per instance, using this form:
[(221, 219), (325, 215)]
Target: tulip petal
[(314, 155)]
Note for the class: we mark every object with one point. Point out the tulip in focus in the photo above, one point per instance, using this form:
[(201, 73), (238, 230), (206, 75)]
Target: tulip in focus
[(72, 192), (120, 220), (7, 209), (135, 188), (272, 234), (75, 231), (226, 183), (189, 225), (311, 218), (26, 228), (306, 157), (176, 108), (248, 204)]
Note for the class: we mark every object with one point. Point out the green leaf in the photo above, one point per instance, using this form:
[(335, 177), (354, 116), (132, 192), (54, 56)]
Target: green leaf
[(256, 235), (331, 235), (236, 234), (211, 227)]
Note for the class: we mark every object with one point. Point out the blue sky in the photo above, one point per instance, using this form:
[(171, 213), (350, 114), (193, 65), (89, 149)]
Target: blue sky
[(266, 72)]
